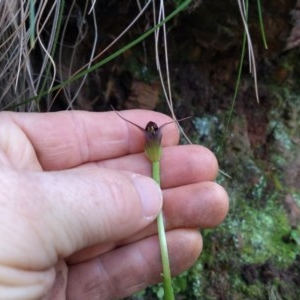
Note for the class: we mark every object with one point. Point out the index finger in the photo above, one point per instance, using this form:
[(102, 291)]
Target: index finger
[(70, 138)]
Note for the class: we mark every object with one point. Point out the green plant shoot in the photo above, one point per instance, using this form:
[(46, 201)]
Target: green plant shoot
[(153, 150)]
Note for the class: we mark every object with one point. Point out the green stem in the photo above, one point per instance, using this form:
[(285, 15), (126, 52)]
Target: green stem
[(168, 289), (261, 23), (237, 82), (32, 23)]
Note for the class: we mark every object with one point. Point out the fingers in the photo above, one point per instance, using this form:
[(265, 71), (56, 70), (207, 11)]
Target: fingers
[(62, 212), (128, 269), (66, 139), (200, 205), (180, 165)]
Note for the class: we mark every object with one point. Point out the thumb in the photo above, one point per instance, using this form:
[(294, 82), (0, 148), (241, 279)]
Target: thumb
[(66, 211)]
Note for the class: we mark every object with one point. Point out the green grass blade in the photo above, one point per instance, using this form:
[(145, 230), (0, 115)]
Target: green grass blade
[(237, 83), (261, 23), (57, 32), (32, 23)]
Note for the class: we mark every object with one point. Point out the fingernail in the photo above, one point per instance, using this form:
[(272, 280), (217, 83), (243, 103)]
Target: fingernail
[(151, 196)]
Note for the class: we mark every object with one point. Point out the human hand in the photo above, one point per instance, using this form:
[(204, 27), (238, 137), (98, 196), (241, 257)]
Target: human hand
[(77, 222)]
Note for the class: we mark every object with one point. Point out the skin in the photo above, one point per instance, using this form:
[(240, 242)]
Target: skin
[(78, 208)]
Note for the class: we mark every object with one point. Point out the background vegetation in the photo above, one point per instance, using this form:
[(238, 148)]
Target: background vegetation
[(255, 253)]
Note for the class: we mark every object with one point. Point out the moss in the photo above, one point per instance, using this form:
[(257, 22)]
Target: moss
[(262, 233), (245, 256)]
